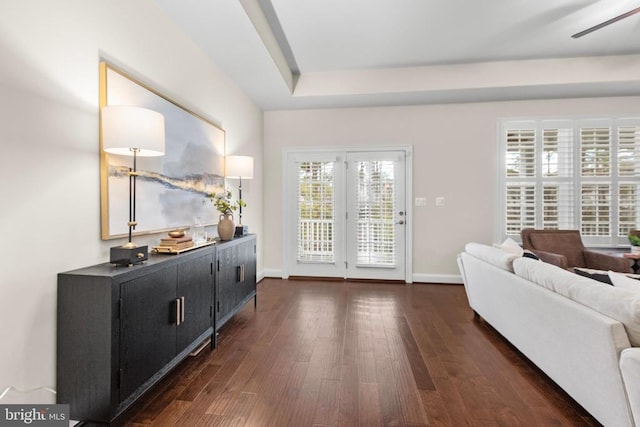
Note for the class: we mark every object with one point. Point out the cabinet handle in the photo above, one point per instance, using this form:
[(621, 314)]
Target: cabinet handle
[(242, 273), (177, 301), (182, 309)]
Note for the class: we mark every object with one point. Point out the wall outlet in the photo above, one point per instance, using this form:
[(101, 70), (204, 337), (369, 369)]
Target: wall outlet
[(439, 201)]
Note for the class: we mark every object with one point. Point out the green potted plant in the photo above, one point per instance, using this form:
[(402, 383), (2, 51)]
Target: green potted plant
[(635, 243), (225, 206)]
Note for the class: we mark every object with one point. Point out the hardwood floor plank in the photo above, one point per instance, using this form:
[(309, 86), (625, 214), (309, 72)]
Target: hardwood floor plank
[(436, 408), (170, 415), (369, 405), (196, 414), (420, 372), (197, 384), (327, 405), (240, 411), (332, 353), (349, 403)]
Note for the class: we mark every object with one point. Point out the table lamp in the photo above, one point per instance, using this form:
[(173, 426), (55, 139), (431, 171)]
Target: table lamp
[(137, 132), (239, 167)]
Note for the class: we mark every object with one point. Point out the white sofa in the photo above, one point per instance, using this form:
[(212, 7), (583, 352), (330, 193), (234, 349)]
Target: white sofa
[(555, 318)]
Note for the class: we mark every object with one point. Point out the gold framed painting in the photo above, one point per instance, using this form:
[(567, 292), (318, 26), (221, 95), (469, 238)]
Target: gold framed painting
[(171, 190)]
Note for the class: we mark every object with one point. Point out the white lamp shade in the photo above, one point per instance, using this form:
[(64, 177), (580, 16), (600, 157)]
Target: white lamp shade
[(239, 167), (127, 128)]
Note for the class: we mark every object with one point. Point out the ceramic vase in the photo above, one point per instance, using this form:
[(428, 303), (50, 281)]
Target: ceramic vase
[(226, 227), (635, 250)]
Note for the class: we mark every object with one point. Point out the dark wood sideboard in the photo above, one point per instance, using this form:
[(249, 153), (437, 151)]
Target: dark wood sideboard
[(121, 329)]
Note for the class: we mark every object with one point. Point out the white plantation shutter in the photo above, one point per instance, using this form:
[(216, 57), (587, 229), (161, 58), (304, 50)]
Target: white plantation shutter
[(558, 206), (629, 176), (520, 208), (316, 212), (521, 151), (375, 226), (628, 208), (572, 174), (595, 152), (557, 176), (520, 173), (538, 176), (596, 210)]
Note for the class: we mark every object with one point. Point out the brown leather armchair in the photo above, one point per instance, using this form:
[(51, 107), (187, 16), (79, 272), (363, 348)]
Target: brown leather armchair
[(565, 249)]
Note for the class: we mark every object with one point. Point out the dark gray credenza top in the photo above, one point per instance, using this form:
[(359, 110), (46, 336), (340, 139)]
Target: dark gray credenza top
[(155, 260)]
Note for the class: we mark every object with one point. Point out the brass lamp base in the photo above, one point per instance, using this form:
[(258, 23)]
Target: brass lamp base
[(126, 255)]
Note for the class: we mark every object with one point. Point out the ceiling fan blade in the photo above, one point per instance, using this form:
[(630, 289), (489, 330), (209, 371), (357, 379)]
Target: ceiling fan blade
[(605, 23)]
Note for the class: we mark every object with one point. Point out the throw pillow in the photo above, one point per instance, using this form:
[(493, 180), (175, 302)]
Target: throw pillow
[(599, 275), (528, 254), (494, 256), (510, 246), (623, 281)]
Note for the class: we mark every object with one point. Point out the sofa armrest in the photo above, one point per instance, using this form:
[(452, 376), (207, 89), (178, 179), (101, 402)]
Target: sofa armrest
[(630, 369), (551, 258), (600, 261)]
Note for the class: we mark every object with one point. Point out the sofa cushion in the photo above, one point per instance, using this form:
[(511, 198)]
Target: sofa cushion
[(620, 304), (547, 275), (493, 256), (510, 246), (624, 281)]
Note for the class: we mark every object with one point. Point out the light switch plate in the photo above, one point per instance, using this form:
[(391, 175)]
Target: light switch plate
[(421, 201), (439, 201)]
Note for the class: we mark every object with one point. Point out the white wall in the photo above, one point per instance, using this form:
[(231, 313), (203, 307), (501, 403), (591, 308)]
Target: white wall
[(49, 162), (455, 156)]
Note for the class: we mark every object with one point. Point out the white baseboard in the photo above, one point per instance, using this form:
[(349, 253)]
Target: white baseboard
[(273, 273), (437, 278), (417, 278)]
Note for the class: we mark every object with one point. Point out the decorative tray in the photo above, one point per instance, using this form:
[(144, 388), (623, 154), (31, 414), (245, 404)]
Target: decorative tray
[(169, 250)]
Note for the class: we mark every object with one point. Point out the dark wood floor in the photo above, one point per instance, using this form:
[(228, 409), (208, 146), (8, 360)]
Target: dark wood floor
[(357, 354)]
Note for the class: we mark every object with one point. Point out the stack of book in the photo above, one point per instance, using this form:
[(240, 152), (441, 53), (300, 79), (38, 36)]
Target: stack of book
[(173, 244)]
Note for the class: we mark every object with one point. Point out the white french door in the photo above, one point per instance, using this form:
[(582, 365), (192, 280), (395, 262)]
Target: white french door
[(346, 214)]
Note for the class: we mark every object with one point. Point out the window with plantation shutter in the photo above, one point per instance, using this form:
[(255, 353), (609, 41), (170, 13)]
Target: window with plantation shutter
[(571, 173), (316, 213)]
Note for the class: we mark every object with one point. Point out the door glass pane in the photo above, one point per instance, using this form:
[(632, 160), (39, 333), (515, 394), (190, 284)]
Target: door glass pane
[(376, 198), (316, 212)]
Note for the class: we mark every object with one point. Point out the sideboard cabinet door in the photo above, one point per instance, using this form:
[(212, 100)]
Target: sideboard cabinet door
[(147, 327), (195, 289), (236, 276)]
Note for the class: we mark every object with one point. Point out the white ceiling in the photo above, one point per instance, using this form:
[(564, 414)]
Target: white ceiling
[(290, 54)]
